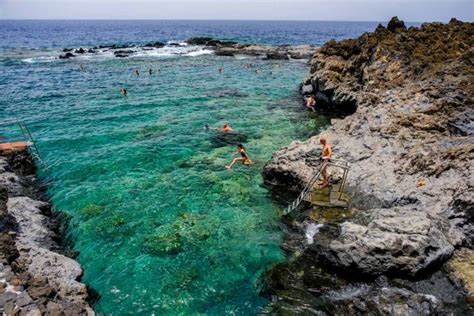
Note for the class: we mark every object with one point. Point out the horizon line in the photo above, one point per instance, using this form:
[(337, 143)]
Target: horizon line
[(219, 20)]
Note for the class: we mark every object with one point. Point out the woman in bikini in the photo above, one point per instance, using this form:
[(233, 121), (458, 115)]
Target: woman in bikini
[(243, 157)]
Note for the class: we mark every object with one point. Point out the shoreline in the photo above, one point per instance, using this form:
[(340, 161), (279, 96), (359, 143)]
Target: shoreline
[(376, 281), (406, 101), (38, 273)]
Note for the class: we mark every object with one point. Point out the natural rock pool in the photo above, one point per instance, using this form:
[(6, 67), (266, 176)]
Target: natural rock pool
[(161, 226)]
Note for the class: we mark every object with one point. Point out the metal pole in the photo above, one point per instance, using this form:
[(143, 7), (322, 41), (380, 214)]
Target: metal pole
[(343, 184)]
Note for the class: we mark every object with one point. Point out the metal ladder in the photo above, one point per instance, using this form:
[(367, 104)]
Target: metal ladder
[(25, 131), (307, 188)]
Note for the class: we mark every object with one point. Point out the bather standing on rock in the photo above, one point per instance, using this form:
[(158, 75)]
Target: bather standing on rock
[(310, 103), (326, 157)]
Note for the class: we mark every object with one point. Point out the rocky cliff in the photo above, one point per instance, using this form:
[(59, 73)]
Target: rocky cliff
[(36, 275), (403, 99)]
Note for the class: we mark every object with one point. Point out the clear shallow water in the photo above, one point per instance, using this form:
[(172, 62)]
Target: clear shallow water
[(161, 226)]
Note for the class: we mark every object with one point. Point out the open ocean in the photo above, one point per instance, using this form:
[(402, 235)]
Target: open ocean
[(161, 226)]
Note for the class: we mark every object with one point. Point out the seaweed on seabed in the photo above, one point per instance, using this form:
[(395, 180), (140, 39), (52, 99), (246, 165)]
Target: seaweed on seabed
[(225, 139)]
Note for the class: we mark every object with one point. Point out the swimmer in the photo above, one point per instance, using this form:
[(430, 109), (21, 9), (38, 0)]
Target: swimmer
[(123, 91), (310, 103), (221, 70), (82, 67), (137, 73), (226, 128), (326, 157), (150, 71), (244, 158)]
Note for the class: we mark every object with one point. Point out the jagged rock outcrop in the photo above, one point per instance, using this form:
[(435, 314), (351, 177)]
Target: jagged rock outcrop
[(219, 47), (392, 241), (35, 278), (406, 101), (229, 48)]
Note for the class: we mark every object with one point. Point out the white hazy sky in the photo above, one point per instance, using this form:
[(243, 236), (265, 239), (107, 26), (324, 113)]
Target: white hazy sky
[(333, 10)]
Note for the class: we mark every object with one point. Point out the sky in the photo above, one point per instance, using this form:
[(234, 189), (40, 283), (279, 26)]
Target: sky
[(319, 10)]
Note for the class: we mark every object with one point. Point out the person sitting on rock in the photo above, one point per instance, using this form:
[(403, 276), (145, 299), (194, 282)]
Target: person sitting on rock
[(310, 103), (326, 157), (243, 157)]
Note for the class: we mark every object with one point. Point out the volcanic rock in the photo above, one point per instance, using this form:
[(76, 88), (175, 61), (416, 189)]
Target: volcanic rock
[(401, 102)]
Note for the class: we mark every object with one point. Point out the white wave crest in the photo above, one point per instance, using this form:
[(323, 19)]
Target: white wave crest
[(311, 230), (173, 49)]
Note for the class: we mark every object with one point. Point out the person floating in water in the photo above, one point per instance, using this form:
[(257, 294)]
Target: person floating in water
[(123, 91), (310, 103), (244, 158), (137, 73), (221, 70), (326, 157), (150, 71), (82, 67), (226, 128)]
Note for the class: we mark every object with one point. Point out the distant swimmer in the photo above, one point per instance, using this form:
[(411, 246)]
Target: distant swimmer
[(310, 103), (226, 128), (137, 73), (221, 70), (326, 157), (244, 158), (123, 91), (159, 70), (82, 67), (150, 71)]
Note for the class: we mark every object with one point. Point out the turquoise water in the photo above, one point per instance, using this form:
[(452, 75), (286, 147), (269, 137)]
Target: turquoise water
[(161, 226)]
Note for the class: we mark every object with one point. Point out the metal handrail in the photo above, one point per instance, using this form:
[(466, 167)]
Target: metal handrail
[(25, 131), (314, 178)]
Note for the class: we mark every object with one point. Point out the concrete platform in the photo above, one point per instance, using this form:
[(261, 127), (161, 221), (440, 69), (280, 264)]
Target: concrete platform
[(329, 196)]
